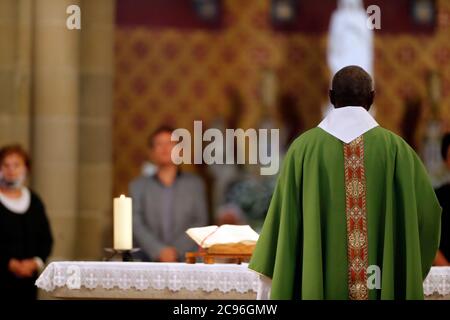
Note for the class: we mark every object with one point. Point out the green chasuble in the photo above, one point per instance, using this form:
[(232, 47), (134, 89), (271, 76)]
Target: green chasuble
[(309, 235)]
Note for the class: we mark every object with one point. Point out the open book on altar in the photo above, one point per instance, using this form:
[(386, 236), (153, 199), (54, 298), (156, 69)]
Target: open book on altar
[(228, 238)]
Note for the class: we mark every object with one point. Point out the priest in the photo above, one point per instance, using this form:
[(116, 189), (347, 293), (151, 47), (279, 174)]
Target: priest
[(353, 215)]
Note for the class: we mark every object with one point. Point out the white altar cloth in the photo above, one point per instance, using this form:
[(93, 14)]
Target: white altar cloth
[(146, 280)]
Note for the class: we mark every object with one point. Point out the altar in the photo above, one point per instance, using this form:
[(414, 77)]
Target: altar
[(145, 280)]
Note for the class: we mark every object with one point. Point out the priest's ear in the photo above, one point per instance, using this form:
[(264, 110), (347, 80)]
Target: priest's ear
[(332, 96), (370, 100)]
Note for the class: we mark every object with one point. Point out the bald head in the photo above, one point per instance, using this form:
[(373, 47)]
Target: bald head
[(352, 86)]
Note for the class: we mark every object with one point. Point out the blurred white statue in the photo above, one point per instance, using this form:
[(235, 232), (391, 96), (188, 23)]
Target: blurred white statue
[(350, 39)]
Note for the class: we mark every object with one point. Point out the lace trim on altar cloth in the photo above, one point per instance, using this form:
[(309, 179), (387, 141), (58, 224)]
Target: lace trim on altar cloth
[(142, 276), (437, 281)]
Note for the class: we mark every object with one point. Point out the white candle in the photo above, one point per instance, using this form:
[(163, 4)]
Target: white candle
[(123, 227)]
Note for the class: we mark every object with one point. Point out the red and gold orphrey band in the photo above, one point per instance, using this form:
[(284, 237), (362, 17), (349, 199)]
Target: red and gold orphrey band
[(355, 194)]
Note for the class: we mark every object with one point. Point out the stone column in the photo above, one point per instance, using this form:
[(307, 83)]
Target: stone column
[(95, 163), (8, 31), (23, 73), (55, 127), (15, 71)]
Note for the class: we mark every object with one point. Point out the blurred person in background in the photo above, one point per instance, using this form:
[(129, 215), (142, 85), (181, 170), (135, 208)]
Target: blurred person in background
[(443, 195), (166, 204), (25, 235)]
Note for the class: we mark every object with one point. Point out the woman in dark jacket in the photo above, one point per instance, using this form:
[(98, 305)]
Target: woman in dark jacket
[(25, 235)]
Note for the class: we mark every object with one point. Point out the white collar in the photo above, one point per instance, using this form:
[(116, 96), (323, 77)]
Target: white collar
[(19, 205), (348, 123)]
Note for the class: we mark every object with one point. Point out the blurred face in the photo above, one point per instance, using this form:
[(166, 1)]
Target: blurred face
[(13, 168), (161, 150)]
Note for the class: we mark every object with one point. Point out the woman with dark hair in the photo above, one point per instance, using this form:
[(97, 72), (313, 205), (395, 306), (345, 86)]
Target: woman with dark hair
[(25, 236)]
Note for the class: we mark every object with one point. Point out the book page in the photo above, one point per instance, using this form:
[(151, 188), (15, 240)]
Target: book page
[(225, 234), (198, 234)]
